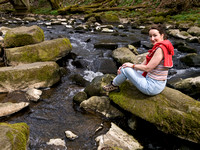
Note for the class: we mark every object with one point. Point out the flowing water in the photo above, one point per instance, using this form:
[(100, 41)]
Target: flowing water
[(55, 112)]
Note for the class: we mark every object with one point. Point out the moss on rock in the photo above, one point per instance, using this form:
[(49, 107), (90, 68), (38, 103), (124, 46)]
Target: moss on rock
[(109, 18), (38, 75), (171, 111), (14, 136), (51, 50), (21, 36)]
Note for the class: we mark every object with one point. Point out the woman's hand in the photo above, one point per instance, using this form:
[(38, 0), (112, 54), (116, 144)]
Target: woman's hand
[(127, 65), (119, 70), (124, 66)]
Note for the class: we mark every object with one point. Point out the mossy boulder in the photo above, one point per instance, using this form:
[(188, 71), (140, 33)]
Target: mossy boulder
[(14, 136), (102, 105), (95, 87), (34, 75), (109, 18), (192, 60), (50, 50), (80, 97), (21, 36), (123, 55), (171, 111)]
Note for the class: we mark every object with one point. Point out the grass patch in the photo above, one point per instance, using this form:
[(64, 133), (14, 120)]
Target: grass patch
[(192, 15), (45, 11), (125, 3)]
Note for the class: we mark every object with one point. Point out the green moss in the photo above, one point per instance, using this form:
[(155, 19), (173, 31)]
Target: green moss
[(14, 38), (46, 51), (18, 135), (159, 19), (109, 17), (169, 111), (191, 15), (48, 75)]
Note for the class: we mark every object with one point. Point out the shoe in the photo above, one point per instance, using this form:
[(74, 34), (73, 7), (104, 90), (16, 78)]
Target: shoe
[(110, 87)]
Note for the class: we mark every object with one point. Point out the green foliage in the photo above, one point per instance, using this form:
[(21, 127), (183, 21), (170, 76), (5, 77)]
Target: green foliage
[(125, 3), (159, 16), (45, 11), (159, 19), (192, 15), (54, 12), (138, 1)]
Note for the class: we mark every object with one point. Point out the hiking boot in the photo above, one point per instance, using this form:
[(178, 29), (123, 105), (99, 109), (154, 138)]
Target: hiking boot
[(110, 87)]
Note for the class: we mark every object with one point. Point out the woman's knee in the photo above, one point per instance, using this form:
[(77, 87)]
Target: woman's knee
[(127, 70)]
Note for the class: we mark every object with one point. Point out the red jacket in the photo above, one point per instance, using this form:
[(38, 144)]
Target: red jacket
[(168, 51)]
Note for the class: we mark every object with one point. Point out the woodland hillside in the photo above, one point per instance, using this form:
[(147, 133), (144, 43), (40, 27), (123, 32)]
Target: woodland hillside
[(158, 11)]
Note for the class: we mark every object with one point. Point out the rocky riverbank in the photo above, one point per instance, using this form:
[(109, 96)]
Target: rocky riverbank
[(180, 116)]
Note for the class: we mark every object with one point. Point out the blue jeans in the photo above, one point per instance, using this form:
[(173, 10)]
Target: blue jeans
[(146, 84)]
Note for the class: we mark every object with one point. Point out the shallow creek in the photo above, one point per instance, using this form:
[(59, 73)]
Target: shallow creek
[(55, 112)]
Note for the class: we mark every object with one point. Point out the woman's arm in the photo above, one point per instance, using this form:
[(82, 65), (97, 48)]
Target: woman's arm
[(155, 60)]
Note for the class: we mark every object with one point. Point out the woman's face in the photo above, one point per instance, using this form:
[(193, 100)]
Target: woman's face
[(155, 36)]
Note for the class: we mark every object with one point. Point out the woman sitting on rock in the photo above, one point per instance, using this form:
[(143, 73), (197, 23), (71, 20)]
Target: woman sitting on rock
[(155, 67)]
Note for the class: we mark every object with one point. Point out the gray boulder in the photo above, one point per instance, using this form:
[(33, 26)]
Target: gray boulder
[(101, 105), (21, 36), (190, 86), (194, 31), (117, 139), (95, 88), (34, 75), (14, 136), (105, 65), (50, 50), (123, 55), (179, 34), (10, 108)]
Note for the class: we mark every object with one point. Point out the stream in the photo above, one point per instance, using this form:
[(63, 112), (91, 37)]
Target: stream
[(55, 112)]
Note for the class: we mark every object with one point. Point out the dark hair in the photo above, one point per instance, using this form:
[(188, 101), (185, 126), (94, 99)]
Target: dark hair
[(160, 28)]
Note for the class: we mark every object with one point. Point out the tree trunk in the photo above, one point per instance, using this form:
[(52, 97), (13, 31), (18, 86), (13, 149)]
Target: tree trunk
[(55, 4)]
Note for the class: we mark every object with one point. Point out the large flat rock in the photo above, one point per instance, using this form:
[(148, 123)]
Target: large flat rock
[(50, 50), (34, 75), (171, 111)]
